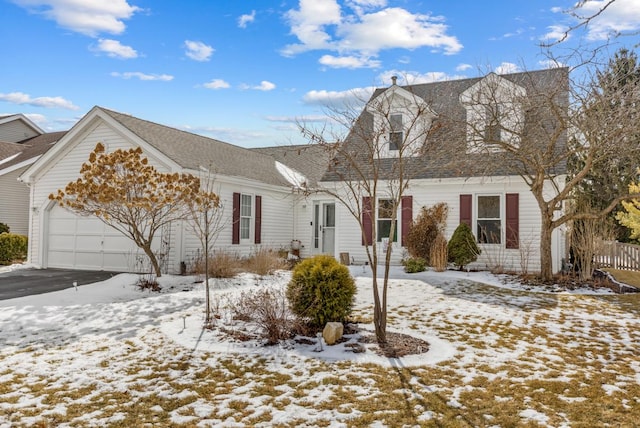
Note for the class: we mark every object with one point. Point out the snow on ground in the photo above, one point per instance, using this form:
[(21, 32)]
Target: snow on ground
[(115, 344)]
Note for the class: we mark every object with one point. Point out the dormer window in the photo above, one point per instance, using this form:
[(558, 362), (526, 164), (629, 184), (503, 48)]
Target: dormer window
[(396, 132), (494, 114), (492, 124)]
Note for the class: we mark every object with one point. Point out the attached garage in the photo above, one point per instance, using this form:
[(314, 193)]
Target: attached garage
[(79, 242)]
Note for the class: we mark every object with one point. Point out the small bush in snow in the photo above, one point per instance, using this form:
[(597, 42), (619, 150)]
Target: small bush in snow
[(414, 265), (321, 290), (462, 247), (12, 247)]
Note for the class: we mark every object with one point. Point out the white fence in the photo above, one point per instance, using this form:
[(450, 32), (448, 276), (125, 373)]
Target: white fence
[(617, 255)]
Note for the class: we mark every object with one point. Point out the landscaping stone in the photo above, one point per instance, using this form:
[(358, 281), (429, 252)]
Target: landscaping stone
[(332, 332)]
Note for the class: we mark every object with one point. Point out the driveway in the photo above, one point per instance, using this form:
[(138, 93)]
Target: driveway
[(25, 282)]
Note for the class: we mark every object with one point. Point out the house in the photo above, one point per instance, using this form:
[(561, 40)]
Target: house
[(256, 193), (272, 197), (22, 142), (449, 131)]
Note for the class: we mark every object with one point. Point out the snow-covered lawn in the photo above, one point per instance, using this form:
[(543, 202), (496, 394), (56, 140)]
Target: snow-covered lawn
[(108, 354)]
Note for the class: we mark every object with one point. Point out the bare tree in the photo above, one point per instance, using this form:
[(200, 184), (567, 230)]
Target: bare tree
[(533, 127), (206, 220), (371, 169)]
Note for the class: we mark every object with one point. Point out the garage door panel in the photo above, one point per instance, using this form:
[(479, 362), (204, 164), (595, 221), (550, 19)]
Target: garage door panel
[(61, 242), (85, 243)]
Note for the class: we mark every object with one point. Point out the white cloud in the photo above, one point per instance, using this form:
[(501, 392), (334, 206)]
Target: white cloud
[(47, 102), (115, 49), (555, 33), (364, 30), (142, 76), (89, 17), (506, 68), (348, 62), (198, 51), (621, 16), (297, 119), (351, 97), (414, 77), (549, 63), (246, 19), (263, 86), (217, 84), (308, 25), (463, 67)]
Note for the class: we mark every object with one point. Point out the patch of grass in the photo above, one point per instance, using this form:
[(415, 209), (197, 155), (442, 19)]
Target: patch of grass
[(630, 277)]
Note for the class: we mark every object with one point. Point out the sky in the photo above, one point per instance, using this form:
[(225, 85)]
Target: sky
[(246, 72)]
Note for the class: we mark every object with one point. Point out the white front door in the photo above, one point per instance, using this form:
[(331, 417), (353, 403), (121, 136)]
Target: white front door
[(324, 228)]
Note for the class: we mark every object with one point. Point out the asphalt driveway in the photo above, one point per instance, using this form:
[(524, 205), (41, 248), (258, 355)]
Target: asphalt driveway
[(25, 282)]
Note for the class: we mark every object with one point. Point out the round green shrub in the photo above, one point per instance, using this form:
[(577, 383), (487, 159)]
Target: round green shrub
[(12, 247), (462, 247), (414, 265), (321, 290)]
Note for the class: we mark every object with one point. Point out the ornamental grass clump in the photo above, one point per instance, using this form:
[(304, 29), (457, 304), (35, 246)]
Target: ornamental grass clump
[(321, 290)]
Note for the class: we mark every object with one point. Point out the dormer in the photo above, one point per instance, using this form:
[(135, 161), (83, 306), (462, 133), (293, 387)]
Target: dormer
[(401, 120), (494, 114)]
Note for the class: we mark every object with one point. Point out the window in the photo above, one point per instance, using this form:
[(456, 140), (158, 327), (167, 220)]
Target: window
[(245, 216), (396, 132), (489, 225), (492, 124), (385, 212)]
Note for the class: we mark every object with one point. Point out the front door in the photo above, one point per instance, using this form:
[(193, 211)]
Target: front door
[(324, 227)]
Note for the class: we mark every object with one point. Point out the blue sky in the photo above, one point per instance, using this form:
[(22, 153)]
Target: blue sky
[(245, 71)]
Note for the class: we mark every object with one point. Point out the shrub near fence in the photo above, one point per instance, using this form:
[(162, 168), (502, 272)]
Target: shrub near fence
[(12, 247)]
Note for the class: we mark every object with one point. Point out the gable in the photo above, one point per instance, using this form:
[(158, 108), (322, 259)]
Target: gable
[(16, 128)]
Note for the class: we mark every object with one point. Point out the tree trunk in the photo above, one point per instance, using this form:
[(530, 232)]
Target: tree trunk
[(546, 259), (152, 258)]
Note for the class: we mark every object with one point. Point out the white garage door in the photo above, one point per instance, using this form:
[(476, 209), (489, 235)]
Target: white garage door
[(79, 242)]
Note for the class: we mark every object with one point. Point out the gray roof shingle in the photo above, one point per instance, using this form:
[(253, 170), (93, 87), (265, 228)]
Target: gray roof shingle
[(444, 98), (311, 160), (31, 148), (194, 151)]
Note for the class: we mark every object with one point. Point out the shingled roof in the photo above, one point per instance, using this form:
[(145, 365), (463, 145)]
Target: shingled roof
[(444, 99), (310, 160), (29, 149), (193, 151)]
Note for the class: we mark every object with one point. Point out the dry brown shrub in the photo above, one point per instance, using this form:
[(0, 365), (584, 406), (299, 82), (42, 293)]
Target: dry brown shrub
[(439, 253), (222, 264), (264, 261), (424, 230)]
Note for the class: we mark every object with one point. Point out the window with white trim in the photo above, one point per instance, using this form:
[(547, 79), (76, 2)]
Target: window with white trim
[(396, 132), (385, 212), (246, 216), (488, 219)]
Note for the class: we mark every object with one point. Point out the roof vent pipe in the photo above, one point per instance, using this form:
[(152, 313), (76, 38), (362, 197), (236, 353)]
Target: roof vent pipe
[(394, 79)]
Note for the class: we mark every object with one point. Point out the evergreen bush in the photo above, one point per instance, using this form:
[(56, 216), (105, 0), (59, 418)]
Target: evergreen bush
[(462, 247), (4, 228), (321, 290), (414, 265), (12, 247)]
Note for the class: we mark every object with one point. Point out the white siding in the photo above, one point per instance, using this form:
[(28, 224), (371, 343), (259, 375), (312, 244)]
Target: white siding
[(16, 131), (14, 206), (430, 192), (277, 221), (63, 169)]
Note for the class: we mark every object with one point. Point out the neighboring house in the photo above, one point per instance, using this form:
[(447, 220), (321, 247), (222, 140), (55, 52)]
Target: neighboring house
[(21, 143), (500, 209), (255, 190), (270, 196)]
